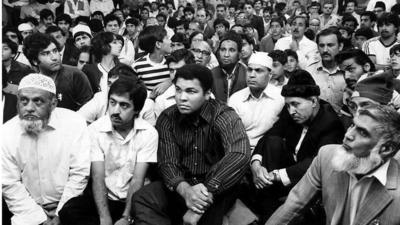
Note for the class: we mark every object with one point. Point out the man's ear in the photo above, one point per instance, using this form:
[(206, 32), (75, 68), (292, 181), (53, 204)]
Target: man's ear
[(366, 67), (208, 94), (158, 44), (388, 149), (340, 46), (54, 102)]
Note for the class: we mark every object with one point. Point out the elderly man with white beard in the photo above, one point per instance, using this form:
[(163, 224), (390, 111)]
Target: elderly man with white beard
[(358, 180), (45, 155)]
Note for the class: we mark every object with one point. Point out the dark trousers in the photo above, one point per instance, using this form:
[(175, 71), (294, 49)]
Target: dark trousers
[(82, 210), (264, 202), (154, 204)]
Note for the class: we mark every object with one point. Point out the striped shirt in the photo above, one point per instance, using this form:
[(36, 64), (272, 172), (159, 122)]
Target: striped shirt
[(151, 73), (209, 147)]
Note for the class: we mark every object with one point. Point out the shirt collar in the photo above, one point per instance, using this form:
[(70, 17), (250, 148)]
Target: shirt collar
[(106, 125), (380, 174), (320, 67), (205, 113), (267, 93)]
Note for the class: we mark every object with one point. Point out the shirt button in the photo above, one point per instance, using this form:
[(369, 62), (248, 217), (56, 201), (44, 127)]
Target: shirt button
[(195, 164), (195, 147)]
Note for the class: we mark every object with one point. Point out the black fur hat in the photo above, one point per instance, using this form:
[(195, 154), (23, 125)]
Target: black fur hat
[(300, 84)]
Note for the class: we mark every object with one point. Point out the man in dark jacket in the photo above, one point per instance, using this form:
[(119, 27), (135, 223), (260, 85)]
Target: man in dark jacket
[(286, 151)]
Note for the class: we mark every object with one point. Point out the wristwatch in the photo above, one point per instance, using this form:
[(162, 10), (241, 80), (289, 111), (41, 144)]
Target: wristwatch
[(276, 175)]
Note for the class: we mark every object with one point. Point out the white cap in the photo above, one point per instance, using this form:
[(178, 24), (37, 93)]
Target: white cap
[(37, 80), (24, 27), (261, 58), (81, 28)]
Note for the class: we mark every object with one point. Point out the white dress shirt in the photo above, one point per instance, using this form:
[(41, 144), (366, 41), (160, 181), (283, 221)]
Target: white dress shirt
[(50, 168), (121, 154), (258, 114), (307, 52)]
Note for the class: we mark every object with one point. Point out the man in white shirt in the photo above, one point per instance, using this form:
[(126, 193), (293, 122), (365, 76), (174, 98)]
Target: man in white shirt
[(259, 104), (45, 155), (306, 49), (123, 147)]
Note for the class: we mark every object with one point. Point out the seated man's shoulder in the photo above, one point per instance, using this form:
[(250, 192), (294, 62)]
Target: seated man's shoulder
[(69, 117), (239, 95)]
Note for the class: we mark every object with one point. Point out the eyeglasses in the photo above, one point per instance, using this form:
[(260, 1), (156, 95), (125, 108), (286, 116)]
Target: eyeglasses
[(198, 51), (395, 54)]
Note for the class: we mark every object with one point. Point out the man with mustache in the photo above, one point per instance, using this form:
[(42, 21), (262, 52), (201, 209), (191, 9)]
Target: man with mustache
[(304, 47), (45, 155), (378, 49), (123, 147), (358, 180), (284, 153), (326, 72)]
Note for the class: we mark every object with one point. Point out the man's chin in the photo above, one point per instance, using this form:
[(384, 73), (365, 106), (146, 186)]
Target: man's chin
[(347, 162), (33, 127)]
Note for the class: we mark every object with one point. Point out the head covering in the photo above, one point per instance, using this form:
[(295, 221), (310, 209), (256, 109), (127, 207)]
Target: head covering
[(24, 27), (37, 80), (261, 58), (300, 84), (81, 28), (377, 87)]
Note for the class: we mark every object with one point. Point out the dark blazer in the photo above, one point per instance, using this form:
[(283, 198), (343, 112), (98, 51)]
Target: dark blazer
[(326, 128), (220, 85), (208, 31), (380, 206), (93, 74), (258, 24), (70, 56)]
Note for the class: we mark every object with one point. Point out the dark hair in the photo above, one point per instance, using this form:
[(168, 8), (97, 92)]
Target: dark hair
[(389, 18), (232, 36), (358, 55), (188, 9), (278, 55), (96, 25), (122, 70), (193, 35), (249, 3), (31, 19), (133, 21), (268, 9), (380, 4), (310, 34), (35, 43), (395, 9), (280, 6), (248, 40), (134, 87), (364, 31), (111, 17), (329, 31), (221, 6), (53, 29), (64, 17), (349, 18), (394, 49), (162, 5), (13, 30), (181, 54), (277, 20), (221, 21), (370, 14), (86, 49), (290, 52), (83, 19), (353, 1), (101, 44), (45, 13), (162, 15), (100, 13), (149, 36), (195, 71), (302, 17), (12, 45)]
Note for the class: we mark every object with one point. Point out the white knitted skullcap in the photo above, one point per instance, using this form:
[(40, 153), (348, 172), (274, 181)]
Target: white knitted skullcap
[(40, 81), (24, 27), (261, 58), (81, 28)]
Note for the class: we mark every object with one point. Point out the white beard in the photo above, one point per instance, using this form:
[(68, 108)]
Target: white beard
[(348, 162), (33, 127)]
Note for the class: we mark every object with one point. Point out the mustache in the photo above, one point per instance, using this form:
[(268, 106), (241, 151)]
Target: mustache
[(115, 116)]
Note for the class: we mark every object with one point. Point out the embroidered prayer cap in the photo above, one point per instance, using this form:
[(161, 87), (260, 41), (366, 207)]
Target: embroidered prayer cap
[(81, 28), (39, 81), (261, 58), (378, 87), (24, 27)]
